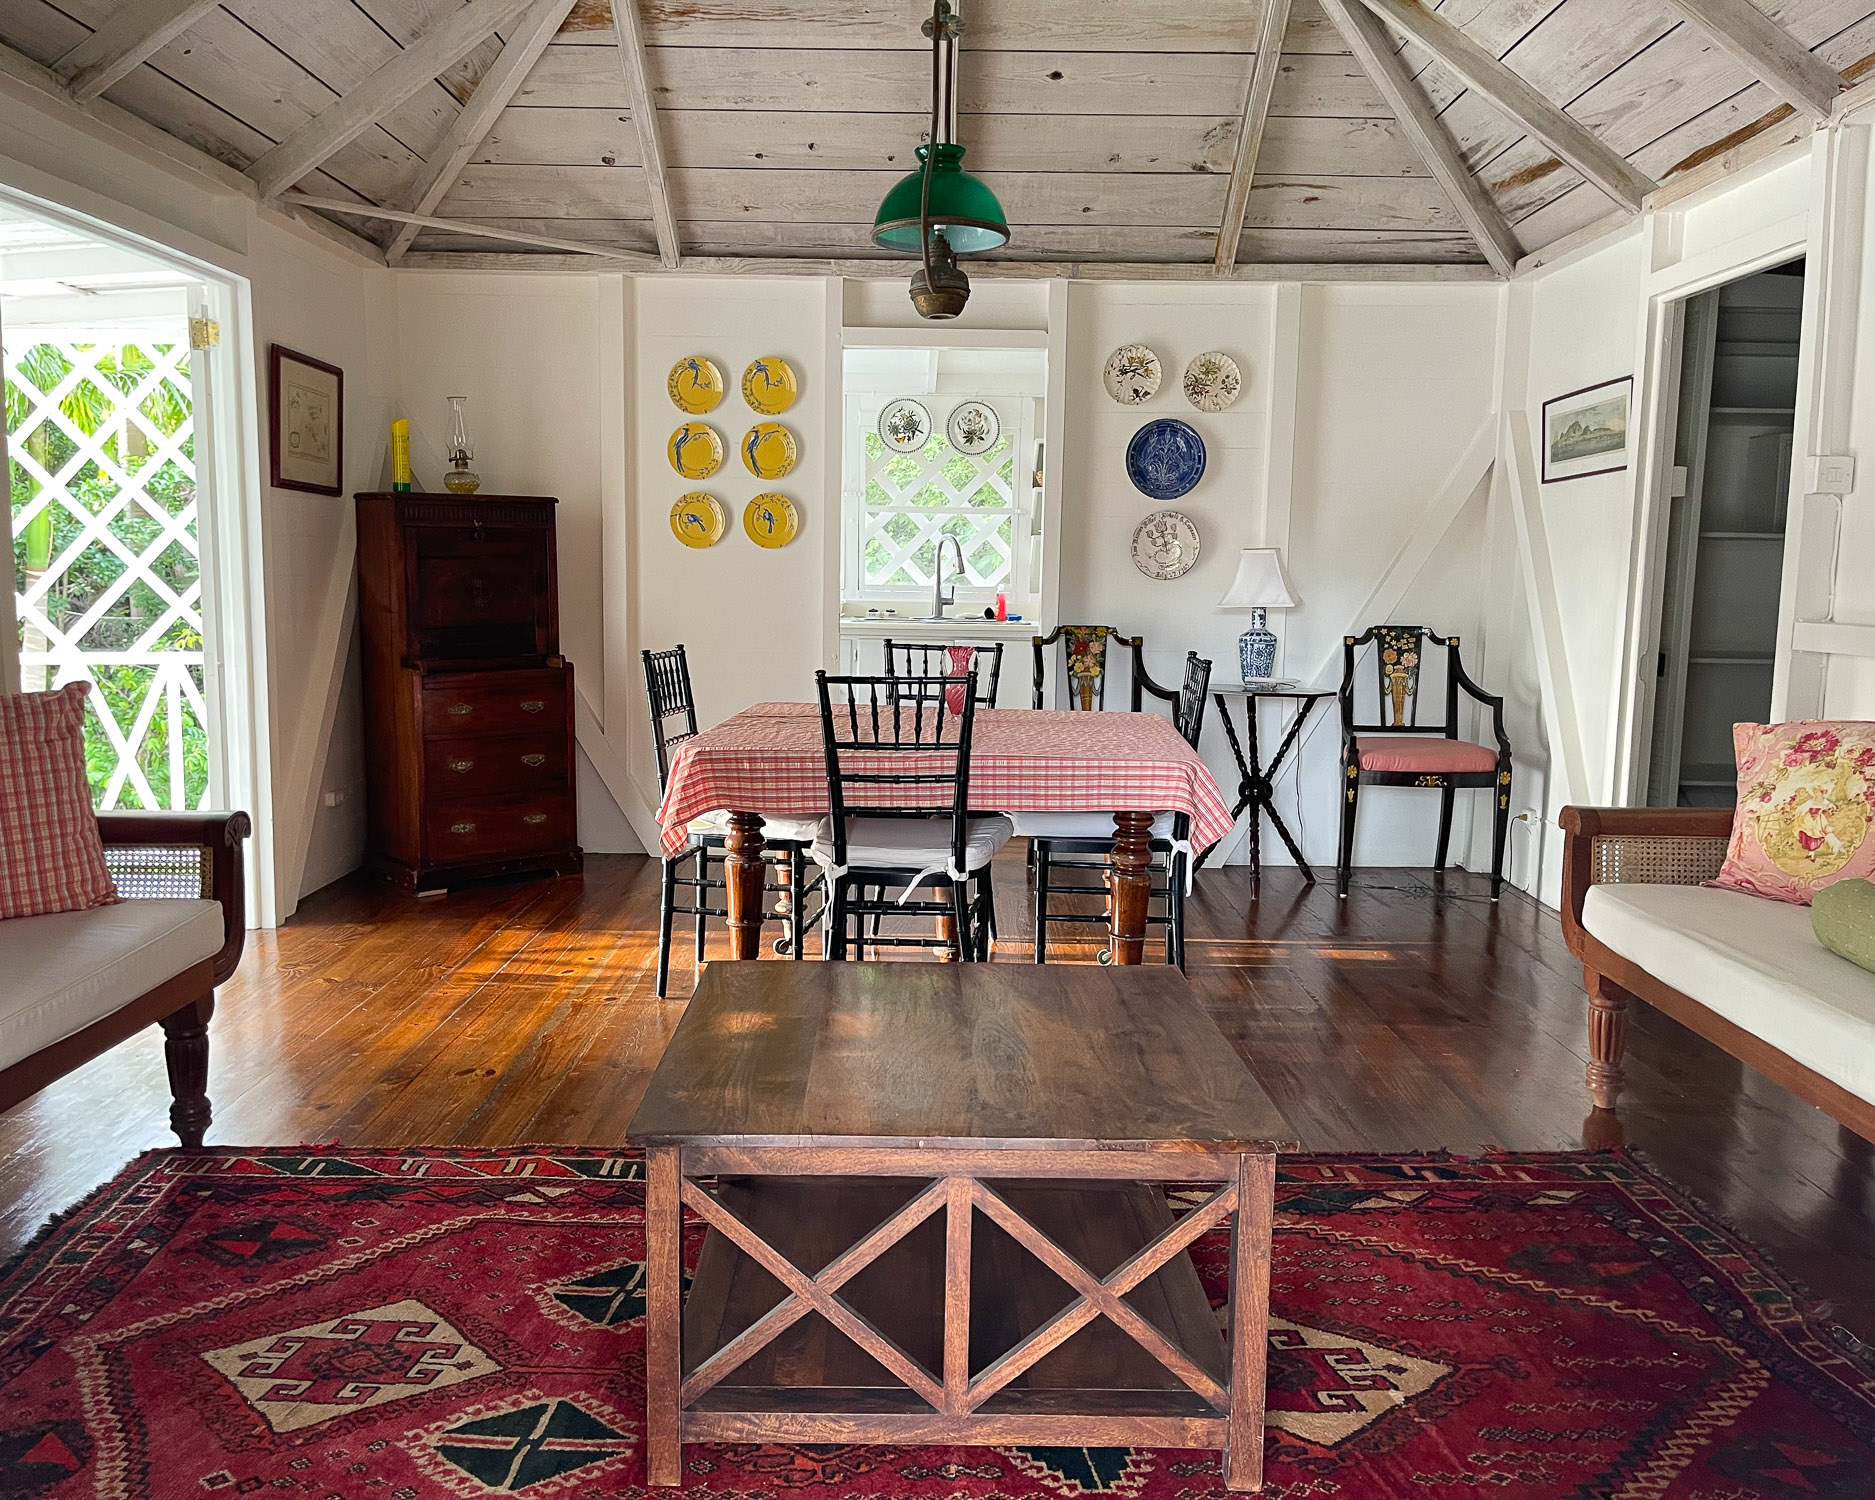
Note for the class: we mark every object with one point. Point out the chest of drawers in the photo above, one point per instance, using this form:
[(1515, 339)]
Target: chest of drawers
[(468, 703)]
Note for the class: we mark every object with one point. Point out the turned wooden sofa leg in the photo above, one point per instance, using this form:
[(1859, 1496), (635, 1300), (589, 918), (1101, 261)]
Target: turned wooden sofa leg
[(185, 1049), (1608, 1036)]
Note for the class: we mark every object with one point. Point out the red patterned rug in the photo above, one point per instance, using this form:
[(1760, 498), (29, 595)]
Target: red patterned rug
[(401, 1324)]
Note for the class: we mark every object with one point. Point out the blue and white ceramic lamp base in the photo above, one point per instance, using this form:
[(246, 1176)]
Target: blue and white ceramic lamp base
[(1256, 648)]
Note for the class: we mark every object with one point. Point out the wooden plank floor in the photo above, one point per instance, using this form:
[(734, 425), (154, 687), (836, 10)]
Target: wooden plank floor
[(1404, 1018)]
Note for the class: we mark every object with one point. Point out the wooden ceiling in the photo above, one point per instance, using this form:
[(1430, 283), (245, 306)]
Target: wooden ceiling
[(1117, 133)]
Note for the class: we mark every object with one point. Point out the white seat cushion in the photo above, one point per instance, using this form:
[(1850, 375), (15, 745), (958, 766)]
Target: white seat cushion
[(915, 843), (1753, 961), (69, 969), (795, 830), (1080, 825)]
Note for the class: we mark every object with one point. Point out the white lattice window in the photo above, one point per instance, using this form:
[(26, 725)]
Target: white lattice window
[(107, 566), (899, 505)]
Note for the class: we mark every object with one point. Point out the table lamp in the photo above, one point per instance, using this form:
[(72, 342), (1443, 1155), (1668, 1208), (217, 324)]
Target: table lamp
[(1260, 586)]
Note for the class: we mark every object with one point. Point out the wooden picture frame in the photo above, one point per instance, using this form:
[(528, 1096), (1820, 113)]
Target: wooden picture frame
[(305, 422), (1580, 428)]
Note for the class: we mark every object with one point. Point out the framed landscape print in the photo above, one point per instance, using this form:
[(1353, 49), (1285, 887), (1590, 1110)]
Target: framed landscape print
[(1586, 432), (306, 412)]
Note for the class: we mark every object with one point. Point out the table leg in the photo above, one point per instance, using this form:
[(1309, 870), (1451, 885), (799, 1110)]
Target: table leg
[(743, 872), (663, 1283), (1249, 1320), (1129, 888)]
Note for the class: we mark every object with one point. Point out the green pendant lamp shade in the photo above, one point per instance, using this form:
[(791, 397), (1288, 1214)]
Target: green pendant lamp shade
[(961, 206)]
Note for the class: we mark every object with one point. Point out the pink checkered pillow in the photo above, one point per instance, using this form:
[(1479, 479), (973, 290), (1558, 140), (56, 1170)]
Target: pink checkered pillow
[(51, 858)]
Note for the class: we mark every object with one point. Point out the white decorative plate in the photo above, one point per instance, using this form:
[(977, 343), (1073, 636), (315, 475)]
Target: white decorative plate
[(974, 427), (1132, 374), (904, 426), (1212, 381), (1166, 545)]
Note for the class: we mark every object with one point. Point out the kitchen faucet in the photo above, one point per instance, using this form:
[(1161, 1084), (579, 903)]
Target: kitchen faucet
[(940, 596)]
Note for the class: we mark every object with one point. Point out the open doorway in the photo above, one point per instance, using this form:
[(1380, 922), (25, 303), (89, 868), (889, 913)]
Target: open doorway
[(128, 468), (1725, 534)]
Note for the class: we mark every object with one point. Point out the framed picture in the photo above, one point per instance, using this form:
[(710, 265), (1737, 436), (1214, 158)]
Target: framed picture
[(1586, 432), (306, 409)]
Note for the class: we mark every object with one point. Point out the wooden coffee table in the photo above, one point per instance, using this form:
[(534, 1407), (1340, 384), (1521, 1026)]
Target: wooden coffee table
[(935, 1215)]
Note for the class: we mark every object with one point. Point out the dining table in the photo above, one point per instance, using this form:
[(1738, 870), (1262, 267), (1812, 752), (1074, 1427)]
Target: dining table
[(768, 759)]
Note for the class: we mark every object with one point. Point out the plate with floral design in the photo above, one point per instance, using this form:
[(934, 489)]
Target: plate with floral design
[(904, 426), (974, 427), (1133, 374), (1212, 381)]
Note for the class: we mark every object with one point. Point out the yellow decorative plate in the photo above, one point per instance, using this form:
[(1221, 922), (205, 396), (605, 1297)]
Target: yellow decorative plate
[(696, 452), (769, 386), (771, 520), (768, 450), (695, 385), (698, 520)]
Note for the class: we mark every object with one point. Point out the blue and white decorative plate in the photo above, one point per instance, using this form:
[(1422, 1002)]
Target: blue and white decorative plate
[(1165, 458)]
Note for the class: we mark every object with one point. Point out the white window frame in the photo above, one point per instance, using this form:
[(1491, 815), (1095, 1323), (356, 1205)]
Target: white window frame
[(1018, 416), (228, 529)]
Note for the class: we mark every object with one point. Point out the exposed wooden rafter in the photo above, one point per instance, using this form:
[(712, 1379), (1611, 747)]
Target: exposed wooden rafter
[(1572, 141), (628, 25), (349, 116), (416, 222), (499, 84), (135, 31), (1256, 113), (1785, 66), (1373, 49)]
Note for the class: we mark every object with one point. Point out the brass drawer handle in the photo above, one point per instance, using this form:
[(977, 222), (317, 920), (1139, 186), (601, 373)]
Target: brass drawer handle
[(462, 765), (532, 705), (533, 760), (462, 828), (535, 818), (459, 709)]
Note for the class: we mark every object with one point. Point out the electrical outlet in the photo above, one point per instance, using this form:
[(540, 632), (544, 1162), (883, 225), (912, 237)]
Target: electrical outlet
[(334, 797)]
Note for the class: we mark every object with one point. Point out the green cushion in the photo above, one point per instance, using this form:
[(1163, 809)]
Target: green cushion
[(1843, 915)]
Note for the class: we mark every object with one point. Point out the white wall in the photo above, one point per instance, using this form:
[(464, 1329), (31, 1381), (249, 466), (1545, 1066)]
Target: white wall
[(1350, 422)]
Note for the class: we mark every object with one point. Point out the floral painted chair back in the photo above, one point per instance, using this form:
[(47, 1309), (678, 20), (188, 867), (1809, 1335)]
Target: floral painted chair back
[(1084, 648), (1398, 650)]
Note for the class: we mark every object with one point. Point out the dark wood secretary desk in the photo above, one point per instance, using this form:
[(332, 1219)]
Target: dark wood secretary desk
[(468, 702)]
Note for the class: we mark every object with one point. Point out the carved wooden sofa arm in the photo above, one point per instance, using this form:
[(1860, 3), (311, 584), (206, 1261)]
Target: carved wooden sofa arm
[(1636, 846), (183, 854)]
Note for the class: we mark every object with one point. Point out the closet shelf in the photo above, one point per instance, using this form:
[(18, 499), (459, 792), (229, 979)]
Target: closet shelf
[(1714, 773), (1741, 536), (1754, 411), (1753, 659)]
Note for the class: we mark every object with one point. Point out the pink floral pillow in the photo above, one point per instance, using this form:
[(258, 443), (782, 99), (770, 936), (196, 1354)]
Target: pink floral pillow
[(1806, 800)]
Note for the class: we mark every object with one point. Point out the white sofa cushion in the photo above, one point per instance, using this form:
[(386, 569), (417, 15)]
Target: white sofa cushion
[(1753, 961), (1081, 825), (69, 969)]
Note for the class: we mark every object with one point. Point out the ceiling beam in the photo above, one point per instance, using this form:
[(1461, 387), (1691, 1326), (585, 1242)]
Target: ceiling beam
[(386, 87), (628, 26), (1572, 141), (462, 226), (127, 37), (1248, 272), (526, 42), (1785, 66), (1373, 49), (1256, 112)]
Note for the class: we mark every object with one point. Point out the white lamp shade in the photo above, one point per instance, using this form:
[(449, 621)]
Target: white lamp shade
[(1260, 582)]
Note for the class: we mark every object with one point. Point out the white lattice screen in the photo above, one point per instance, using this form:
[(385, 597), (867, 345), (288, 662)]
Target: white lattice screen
[(911, 500), (107, 566)]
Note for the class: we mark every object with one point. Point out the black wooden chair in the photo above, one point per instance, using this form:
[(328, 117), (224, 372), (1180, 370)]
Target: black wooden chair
[(873, 845), (914, 659), (1084, 655), (1400, 751), (1082, 841), (697, 867)]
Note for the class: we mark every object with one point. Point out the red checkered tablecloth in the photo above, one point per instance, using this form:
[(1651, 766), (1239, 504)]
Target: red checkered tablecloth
[(768, 759)]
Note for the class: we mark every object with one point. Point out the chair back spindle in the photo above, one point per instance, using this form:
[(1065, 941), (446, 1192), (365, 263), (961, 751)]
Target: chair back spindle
[(667, 689), (864, 719), (915, 659)]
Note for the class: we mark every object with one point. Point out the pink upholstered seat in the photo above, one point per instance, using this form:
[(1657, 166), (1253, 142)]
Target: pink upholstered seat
[(1423, 754)]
